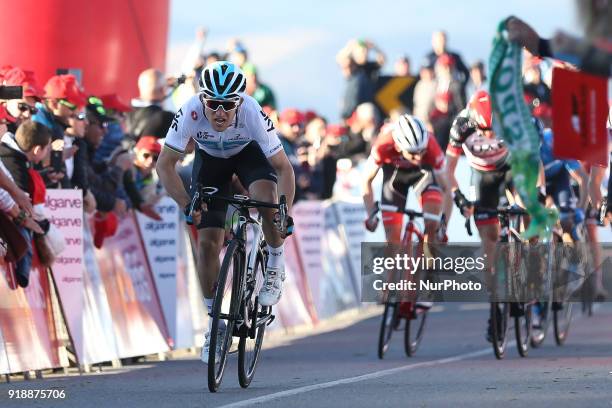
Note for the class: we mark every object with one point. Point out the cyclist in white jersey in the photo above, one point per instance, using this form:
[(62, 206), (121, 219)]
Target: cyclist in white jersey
[(233, 137)]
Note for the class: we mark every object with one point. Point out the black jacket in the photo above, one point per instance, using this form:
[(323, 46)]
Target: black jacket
[(17, 164), (148, 121)]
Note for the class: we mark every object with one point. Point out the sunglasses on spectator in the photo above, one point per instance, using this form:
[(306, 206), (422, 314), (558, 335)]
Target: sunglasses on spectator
[(148, 155), (22, 106), (214, 105), (67, 104)]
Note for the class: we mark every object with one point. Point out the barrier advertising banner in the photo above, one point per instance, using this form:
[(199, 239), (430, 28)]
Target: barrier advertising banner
[(137, 316), (160, 240), (4, 363), (98, 332), (64, 209), (191, 316), (350, 222), (26, 321)]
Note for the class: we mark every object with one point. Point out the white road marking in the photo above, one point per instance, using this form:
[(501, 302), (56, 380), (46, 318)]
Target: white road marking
[(351, 380), (475, 306)]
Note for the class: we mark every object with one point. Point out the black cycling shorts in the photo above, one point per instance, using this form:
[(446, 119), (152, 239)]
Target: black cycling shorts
[(397, 182), (490, 187), (250, 165)]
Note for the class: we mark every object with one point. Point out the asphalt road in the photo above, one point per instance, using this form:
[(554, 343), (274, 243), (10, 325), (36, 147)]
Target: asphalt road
[(453, 367)]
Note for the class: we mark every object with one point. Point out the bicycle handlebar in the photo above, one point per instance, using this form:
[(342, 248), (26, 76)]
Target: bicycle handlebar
[(205, 195), (392, 208)]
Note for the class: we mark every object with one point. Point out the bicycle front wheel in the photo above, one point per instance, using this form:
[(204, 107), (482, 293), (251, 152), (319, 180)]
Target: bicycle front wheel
[(225, 311), (250, 343), (387, 325), (415, 327)]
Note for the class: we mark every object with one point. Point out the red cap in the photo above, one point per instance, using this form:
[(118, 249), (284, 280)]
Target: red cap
[(446, 59), (310, 115), (291, 116), (336, 130), (17, 76), (4, 115), (65, 87), (112, 101), (149, 143)]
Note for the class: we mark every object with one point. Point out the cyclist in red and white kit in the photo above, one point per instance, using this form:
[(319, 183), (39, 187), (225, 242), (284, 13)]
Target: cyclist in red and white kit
[(408, 157)]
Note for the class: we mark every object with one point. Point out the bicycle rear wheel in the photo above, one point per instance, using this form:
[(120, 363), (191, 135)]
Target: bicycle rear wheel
[(415, 327), (500, 315), (250, 343), (389, 317), (225, 311)]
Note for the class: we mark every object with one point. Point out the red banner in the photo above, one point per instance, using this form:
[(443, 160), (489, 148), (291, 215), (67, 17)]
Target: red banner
[(138, 321), (26, 321), (580, 109)]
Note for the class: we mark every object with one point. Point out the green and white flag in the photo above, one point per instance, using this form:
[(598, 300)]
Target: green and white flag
[(512, 122)]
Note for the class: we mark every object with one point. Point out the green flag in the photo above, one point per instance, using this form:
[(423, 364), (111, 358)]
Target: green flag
[(512, 122)]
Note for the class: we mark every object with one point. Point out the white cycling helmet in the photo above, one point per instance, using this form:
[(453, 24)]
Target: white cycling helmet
[(409, 134), (222, 80)]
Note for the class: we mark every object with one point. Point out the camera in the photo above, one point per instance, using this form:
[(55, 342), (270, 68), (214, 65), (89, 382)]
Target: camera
[(11, 92)]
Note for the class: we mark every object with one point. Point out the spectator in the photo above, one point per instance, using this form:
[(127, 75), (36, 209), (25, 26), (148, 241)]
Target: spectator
[(425, 92), (448, 101), (148, 117), (537, 93), (6, 180), (63, 97), (212, 57), (402, 67), (146, 152), (478, 79), (21, 109), (18, 153), (105, 179), (261, 92), (358, 51), (76, 133), (359, 89), (290, 127), (237, 53), (364, 127), (439, 48), (115, 131)]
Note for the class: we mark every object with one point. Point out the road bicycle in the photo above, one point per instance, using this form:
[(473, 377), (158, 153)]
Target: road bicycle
[(236, 309), (395, 310)]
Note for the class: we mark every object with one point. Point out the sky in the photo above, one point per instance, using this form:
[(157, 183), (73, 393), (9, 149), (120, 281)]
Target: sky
[(293, 44)]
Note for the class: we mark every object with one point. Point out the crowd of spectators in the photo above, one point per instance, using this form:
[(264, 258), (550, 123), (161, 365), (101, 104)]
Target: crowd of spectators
[(61, 136)]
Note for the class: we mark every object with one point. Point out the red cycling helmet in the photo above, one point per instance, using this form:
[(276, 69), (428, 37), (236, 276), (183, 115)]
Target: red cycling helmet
[(480, 109)]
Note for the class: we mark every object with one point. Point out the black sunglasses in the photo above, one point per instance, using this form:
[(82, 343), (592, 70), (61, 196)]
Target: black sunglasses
[(22, 106), (214, 105), (147, 155)]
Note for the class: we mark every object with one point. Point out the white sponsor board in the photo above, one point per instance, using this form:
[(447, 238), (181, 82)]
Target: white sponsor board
[(4, 363), (160, 240), (98, 338), (64, 209), (191, 316)]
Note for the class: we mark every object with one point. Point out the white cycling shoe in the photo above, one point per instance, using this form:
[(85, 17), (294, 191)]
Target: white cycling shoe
[(272, 289), (206, 348)]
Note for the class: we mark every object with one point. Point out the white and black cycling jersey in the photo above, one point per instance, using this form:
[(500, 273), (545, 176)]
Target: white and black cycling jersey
[(251, 123)]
